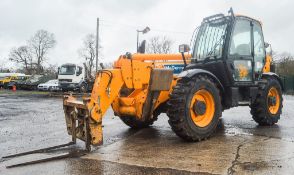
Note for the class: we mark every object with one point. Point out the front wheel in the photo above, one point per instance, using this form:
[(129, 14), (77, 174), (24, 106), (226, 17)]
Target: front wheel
[(134, 123), (194, 108), (267, 107)]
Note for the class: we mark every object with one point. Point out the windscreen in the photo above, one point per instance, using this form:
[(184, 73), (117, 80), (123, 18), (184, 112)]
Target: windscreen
[(210, 39), (67, 70)]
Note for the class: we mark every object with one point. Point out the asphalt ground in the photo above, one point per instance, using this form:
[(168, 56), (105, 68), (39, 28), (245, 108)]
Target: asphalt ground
[(239, 146)]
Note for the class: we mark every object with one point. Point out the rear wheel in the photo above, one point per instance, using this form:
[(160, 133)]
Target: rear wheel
[(267, 107), (194, 108)]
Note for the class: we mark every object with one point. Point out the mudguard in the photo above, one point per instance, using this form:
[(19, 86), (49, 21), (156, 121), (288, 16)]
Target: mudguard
[(272, 74), (192, 72)]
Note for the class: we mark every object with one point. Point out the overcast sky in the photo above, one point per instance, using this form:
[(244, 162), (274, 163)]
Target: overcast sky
[(71, 20)]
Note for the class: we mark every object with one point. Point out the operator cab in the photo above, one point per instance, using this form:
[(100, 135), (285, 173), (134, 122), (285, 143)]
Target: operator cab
[(231, 47)]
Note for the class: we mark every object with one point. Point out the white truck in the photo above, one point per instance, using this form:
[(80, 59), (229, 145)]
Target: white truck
[(72, 77)]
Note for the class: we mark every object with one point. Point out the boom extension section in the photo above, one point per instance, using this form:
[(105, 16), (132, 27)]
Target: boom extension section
[(146, 82)]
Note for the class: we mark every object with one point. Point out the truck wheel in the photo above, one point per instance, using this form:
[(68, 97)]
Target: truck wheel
[(194, 108), (83, 88), (267, 107), (5, 85)]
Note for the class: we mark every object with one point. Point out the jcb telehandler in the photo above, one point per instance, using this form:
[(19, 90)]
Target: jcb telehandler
[(228, 67)]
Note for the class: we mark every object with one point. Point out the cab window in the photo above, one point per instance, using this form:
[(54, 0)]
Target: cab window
[(241, 38)]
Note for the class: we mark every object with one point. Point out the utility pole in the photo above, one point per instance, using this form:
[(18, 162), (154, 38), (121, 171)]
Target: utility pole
[(138, 41), (97, 44)]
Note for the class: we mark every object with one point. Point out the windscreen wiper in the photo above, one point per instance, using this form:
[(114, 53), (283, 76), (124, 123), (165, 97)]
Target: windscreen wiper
[(216, 44)]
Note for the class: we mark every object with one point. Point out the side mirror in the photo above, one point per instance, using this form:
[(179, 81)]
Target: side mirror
[(184, 48), (79, 73), (268, 49)]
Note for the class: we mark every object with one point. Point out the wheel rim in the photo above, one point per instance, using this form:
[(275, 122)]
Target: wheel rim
[(83, 88), (273, 99), (200, 117)]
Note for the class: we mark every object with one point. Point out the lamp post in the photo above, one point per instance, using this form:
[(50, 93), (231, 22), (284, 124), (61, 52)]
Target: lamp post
[(147, 29)]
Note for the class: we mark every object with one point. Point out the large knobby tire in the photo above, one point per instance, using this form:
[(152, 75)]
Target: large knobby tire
[(184, 119), (267, 107), (134, 123)]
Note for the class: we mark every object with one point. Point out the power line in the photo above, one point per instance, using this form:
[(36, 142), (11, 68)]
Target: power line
[(107, 23)]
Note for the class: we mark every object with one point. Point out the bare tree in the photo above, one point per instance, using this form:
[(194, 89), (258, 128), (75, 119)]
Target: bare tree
[(88, 52), (285, 64), (51, 70), (3, 67), (159, 45), (40, 44), (107, 65), (22, 55)]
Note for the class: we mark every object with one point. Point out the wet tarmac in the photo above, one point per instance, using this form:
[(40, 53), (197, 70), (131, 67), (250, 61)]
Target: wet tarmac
[(239, 145)]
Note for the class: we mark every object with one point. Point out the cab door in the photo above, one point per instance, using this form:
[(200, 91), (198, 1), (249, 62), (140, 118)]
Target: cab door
[(241, 51), (259, 50)]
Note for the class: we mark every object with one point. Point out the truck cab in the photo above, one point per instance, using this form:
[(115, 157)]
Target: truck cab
[(71, 77)]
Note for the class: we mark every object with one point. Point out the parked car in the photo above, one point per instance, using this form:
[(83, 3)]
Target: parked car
[(17, 80), (51, 85), (33, 82)]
